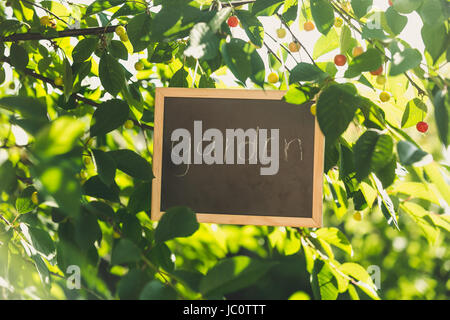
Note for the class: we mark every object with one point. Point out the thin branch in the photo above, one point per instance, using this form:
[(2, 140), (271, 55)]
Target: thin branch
[(59, 34), (296, 39), (46, 10)]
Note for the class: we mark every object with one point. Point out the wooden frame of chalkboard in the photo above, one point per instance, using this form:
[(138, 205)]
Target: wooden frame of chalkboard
[(315, 220)]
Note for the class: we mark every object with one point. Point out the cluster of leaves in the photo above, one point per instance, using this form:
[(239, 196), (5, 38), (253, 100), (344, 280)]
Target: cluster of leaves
[(78, 191)]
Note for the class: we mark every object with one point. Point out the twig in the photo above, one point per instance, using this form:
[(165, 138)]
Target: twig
[(59, 34), (46, 10)]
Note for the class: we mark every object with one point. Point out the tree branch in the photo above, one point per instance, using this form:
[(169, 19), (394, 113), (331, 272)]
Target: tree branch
[(59, 34)]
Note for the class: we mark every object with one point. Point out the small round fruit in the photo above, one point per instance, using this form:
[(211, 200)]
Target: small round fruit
[(340, 60), (390, 2), (139, 66), (12, 86), (381, 80), (357, 216), (120, 30), (35, 198), (281, 33), (294, 46), (83, 175), (308, 26), (377, 72), (233, 21), (312, 109), (384, 96), (272, 78), (128, 124), (58, 81), (338, 22), (45, 21), (422, 126), (356, 51)]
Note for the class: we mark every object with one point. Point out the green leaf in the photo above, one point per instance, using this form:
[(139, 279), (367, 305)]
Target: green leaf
[(367, 61), (406, 6), (155, 290), (60, 182), (87, 230), (161, 255), (415, 111), (265, 7), (404, 61), (361, 7), (138, 30), (99, 6), (435, 39), (204, 44), (2, 75), (417, 190), (176, 222), (395, 21), (252, 27), (27, 106), (40, 240), (423, 219), (118, 50), (409, 154), (323, 281), (111, 74), (84, 49), (437, 177), (326, 43), (346, 41), (130, 286), (323, 15), (441, 102), (125, 251), (94, 187), (24, 204), (357, 272), (58, 137), (140, 199), (336, 107), (295, 95), (306, 72), (18, 56), (372, 152), (105, 165), (385, 203), (432, 12), (243, 61), (233, 274), (132, 164), (179, 79), (373, 33), (109, 116), (336, 238)]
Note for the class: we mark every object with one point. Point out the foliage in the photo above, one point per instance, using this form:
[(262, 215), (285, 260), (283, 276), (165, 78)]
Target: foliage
[(76, 149)]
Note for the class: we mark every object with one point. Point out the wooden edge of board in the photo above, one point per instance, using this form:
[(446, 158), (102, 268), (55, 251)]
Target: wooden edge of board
[(156, 213)]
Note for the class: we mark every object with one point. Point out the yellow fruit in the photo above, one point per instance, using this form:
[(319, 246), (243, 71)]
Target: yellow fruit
[(34, 198), (308, 26), (281, 33), (357, 51), (83, 175), (381, 80), (338, 22), (294, 46), (120, 31), (59, 81), (357, 216), (128, 124), (87, 161), (384, 96), (139, 66), (313, 109), (45, 21), (272, 78)]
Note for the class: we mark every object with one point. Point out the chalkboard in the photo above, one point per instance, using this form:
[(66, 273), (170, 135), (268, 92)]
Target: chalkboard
[(237, 157)]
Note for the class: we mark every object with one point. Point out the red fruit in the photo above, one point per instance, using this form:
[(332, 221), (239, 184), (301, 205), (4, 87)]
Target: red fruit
[(233, 21), (422, 126), (377, 72), (390, 2), (340, 60)]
